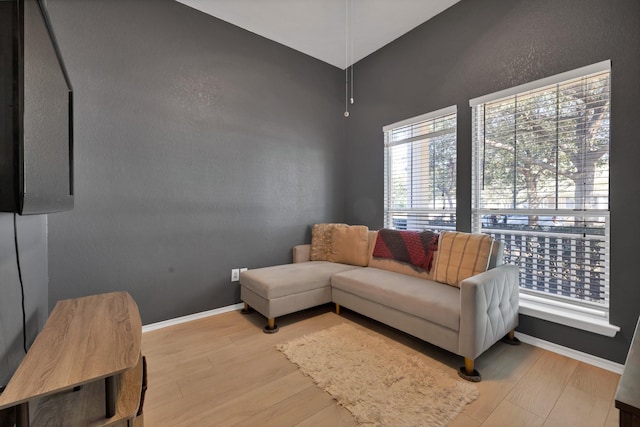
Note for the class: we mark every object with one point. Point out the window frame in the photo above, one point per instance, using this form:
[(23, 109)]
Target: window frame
[(390, 210), (568, 311)]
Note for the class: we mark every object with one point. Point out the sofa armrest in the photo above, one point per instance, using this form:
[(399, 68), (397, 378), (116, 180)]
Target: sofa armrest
[(489, 309), (301, 253)]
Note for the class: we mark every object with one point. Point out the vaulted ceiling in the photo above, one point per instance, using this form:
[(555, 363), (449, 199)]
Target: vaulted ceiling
[(339, 32)]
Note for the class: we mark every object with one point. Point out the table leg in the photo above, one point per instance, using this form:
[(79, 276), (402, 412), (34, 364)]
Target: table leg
[(110, 396), (22, 415)]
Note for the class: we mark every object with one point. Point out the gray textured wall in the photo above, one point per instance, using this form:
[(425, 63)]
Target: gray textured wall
[(479, 47), (199, 147), (32, 243)]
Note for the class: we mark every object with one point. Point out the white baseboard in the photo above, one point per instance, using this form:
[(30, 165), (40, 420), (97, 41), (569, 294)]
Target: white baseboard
[(178, 320), (573, 354), (536, 342)]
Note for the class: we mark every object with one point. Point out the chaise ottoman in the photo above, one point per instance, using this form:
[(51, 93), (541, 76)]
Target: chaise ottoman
[(283, 289)]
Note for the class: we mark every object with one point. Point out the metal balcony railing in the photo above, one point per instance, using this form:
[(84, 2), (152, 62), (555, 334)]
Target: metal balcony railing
[(560, 264)]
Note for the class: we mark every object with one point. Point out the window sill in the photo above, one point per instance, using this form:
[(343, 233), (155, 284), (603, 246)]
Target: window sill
[(565, 315)]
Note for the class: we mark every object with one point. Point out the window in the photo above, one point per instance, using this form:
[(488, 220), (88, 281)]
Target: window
[(420, 172), (541, 185)]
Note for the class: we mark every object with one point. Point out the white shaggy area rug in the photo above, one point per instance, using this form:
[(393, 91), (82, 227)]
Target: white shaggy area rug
[(379, 384)]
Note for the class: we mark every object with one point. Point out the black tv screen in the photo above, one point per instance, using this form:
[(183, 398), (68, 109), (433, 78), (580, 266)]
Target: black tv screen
[(36, 150)]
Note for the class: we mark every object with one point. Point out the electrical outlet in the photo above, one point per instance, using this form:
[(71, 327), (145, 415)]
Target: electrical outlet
[(235, 275)]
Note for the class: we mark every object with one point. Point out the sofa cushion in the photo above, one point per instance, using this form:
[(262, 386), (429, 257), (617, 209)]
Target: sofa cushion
[(400, 267), (287, 279), (461, 255), (426, 299), (321, 236), (350, 245), (372, 236)]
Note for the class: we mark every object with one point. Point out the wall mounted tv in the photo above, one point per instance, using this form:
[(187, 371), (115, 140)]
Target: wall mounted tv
[(36, 113)]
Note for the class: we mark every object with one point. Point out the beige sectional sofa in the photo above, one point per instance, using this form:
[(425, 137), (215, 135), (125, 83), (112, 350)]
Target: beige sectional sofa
[(465, 316)]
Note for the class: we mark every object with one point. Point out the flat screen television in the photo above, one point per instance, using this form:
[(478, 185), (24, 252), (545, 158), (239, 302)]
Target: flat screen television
[(36, 113)]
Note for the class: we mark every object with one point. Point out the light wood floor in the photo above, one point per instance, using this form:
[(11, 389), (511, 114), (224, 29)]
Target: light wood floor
[(224, 371)]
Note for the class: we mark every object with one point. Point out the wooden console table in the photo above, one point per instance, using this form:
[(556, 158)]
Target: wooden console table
[(84, 367), (628, 394)]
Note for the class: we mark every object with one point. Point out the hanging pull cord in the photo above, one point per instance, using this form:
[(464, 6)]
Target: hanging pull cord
[(346, 59), (351, 40), (346, 92), (352, 65)]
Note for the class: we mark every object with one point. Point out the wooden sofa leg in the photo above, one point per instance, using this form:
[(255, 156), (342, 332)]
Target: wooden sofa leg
[(510, 338), (468, 365), (468, 372), (337, 308), (247, 309), (271, 327)]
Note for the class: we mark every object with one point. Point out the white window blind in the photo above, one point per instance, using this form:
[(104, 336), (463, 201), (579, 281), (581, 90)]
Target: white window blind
[(420, 172), (541, 183)]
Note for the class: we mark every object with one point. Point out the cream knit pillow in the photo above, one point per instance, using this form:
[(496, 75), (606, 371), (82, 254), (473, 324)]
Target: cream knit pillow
[(321, 235)]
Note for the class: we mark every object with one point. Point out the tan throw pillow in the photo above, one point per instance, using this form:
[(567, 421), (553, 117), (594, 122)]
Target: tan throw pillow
[(321, 241), (461, 255), (350, 245)]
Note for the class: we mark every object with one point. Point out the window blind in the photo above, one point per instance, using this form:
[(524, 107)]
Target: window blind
[(420, 172), (541, 182)]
